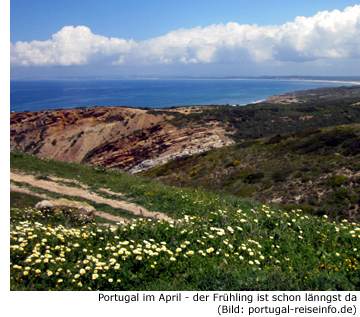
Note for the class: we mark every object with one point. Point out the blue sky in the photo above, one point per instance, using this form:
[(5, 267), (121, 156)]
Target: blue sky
[(141, 19), (193, 52)]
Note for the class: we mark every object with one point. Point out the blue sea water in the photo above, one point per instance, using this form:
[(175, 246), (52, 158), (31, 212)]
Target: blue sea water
[(42, 95)]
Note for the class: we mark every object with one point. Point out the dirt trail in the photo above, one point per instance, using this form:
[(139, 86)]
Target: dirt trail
[(110, 192), (101, 214), (22, 190), (110, 217), (67, 181), (85, 194)]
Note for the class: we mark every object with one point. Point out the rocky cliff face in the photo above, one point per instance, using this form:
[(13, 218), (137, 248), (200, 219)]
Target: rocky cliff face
[(115, 137)]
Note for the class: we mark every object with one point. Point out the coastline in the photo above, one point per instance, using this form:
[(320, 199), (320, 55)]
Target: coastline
[(356, 83)]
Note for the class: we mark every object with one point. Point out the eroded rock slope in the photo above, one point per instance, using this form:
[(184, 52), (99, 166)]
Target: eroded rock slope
[(114, 137)]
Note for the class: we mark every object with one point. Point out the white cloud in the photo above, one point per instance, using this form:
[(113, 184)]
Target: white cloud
[(326, 35), (334, 34), (70, 46)]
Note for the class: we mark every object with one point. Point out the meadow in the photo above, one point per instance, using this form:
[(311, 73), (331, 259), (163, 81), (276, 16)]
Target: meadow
[(213, 242)]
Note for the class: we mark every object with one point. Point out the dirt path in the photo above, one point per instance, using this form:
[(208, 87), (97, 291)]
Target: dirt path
[(110, 192), (110, 217), (101, 214), (67, 181), (22, 190), (86, 194)]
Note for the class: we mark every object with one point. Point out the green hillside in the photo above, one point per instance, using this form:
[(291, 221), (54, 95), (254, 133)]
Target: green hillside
[(213, 241), (317, 170)]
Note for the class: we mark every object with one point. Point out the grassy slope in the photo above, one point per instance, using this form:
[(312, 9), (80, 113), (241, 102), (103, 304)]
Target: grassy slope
[(226, 244), (21, 200), (320, 165)]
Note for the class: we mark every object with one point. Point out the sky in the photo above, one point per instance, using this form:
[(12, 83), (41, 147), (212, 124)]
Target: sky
[(125, 38)]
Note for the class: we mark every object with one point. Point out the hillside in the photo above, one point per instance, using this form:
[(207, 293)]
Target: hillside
[(289, 150), (207, 241), (303, 110), (316, 170)]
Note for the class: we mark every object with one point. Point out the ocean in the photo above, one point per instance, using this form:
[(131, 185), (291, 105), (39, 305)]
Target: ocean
[(152, 93)]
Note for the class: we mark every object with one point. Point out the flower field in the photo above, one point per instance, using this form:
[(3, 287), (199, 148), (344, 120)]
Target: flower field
[(258, 249)]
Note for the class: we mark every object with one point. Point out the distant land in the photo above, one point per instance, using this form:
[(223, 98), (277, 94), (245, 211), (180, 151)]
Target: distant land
[(155, 76)]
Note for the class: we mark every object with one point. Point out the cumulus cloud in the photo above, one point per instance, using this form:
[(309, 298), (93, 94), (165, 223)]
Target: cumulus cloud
[(70, 46), (326, 35)]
